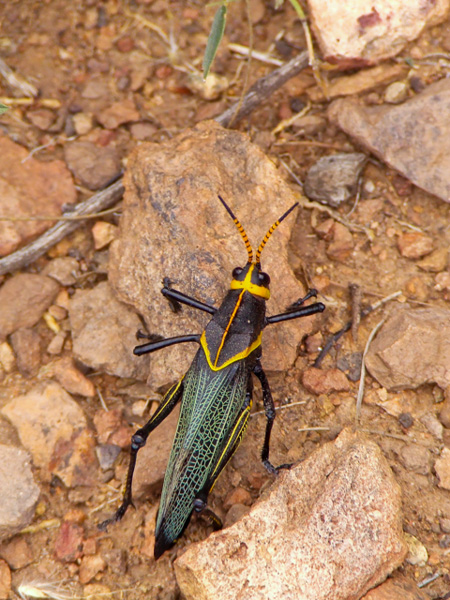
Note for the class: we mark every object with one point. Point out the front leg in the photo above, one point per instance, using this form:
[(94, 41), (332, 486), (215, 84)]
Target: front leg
[(269, 408), (176, 298), (297, 310)]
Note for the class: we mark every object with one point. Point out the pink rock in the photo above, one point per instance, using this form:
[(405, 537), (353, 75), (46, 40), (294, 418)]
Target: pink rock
[(331, 527), (69, 543), (415, 244), (358, 33)]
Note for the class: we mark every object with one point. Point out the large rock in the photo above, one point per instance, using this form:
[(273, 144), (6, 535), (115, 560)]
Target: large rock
[(412, 348), (360, 32), (328, 528), (104, 333), (153, 457), (20, 493), (174, 226), (413, 137)]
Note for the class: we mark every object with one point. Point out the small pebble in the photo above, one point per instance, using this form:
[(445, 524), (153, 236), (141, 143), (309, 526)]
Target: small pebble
[(445, 525), (90, 566), (103, 234), (125, 44), (321, 381), (415, 244), (5, 580), (7, 359), (442, 281), (27, 347), (405, 420), (57, 343), (433, 425), (83, 123), (236, 512), (211, 89), (417, 553), (69, 542), (57, 312), (442, 468), (369, 186), (396, 93), (107, 455)]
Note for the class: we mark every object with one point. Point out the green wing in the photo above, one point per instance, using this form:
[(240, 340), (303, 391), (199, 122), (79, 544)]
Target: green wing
[(213, 417)]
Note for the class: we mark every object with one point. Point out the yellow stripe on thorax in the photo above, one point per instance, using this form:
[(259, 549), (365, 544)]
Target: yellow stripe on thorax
[(233, 314), (248, 286), (236, 357)]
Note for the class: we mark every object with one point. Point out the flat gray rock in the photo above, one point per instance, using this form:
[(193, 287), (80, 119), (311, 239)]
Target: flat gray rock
[(413, 137)]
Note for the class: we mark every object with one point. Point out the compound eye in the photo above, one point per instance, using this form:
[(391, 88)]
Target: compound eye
[(264, 279), (236, 272)]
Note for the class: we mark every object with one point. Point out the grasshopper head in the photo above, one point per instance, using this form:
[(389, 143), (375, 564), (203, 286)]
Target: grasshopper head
[(251, 279)]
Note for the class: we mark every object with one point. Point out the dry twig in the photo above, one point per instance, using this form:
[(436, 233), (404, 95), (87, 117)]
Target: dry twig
[(101, 200)]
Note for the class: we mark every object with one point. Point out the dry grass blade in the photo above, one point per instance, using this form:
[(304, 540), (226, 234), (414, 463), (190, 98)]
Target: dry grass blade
[(360, 395)]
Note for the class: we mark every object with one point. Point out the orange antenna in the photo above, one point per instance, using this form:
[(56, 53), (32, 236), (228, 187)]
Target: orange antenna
[(241, 230), (269, 233)]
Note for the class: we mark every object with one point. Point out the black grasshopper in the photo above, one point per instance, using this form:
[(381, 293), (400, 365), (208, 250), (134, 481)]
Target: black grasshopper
[(215, 394)]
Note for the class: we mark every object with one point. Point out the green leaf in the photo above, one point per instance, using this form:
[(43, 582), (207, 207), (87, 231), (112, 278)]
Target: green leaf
[(3, 108), (214, 39)]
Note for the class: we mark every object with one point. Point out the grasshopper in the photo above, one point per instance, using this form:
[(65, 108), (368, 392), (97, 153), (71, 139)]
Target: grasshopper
[(215, 393)]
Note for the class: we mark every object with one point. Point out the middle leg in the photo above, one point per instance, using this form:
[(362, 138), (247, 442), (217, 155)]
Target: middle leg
[(269, 408)]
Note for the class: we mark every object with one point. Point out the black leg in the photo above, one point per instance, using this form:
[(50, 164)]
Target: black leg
[(201, 507), (138, 441), (269, 408), (175, 298), (296, 310), (311, 294), (163, 343)]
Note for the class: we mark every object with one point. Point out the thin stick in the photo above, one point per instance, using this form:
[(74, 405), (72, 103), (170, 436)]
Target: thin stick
[(101, 200), (102, 400), (263, 88), (313, 429), (356, 295), (16, 81), (360, 395), (263, 412), (335, 337), (262, 56), (395, 436), (64, 217)]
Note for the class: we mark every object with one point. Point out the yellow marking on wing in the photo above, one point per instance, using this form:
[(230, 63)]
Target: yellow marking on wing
[(240, 425)]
